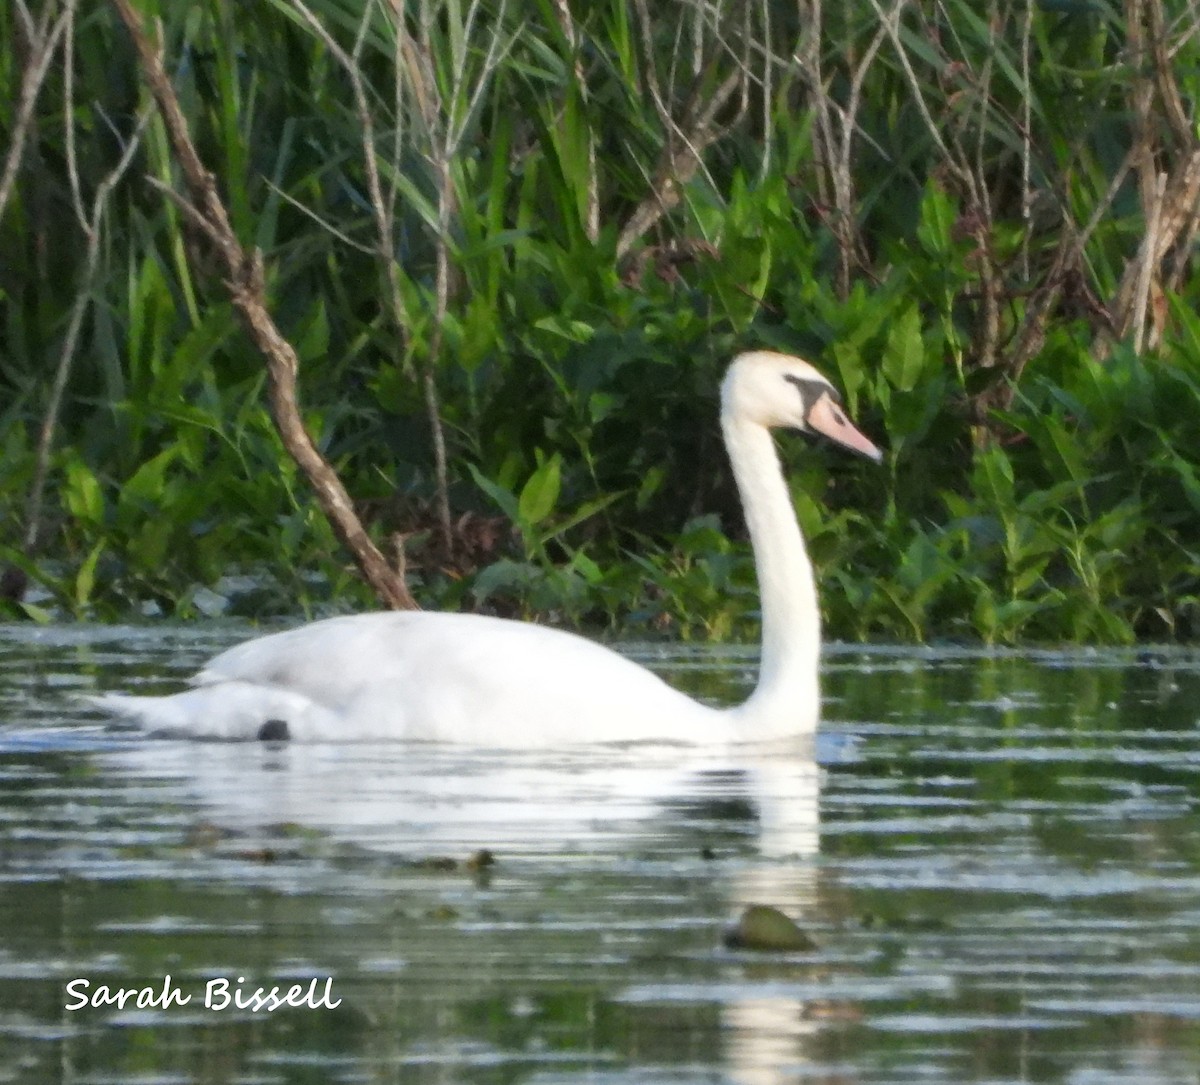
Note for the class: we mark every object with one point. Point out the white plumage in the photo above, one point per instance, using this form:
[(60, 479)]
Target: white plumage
[(491, 682)]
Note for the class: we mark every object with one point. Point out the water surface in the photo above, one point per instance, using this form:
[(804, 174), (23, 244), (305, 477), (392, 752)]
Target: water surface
[(997, 857)]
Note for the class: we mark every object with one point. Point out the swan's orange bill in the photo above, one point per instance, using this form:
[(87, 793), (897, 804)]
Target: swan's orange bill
[(827, 418)]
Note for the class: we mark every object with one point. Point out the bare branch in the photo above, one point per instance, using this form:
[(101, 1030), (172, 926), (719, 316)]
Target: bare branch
[(43, 44), (677, 166), (69, 128), (1164, 75), (891, 22), (1168, 174), (1146, 263), (66, 358), (247, 290), (189, 210), (845, 226), (1026, 140)]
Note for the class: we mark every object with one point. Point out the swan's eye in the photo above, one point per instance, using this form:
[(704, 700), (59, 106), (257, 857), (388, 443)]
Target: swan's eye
[(810, 391)]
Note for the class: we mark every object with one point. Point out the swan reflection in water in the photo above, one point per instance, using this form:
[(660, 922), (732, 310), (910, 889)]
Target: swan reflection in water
[(744, 825)]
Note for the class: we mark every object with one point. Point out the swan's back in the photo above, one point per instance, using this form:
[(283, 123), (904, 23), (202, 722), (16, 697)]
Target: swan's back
[(419, 675)]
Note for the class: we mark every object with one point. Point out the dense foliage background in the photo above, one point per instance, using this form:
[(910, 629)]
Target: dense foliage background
[(515, 242)]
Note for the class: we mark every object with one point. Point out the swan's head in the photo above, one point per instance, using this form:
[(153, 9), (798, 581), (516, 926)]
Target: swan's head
[(777, 390)]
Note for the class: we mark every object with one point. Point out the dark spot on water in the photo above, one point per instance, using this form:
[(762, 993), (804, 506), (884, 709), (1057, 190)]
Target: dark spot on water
[(480, 860), (274, 731), (438, 864)]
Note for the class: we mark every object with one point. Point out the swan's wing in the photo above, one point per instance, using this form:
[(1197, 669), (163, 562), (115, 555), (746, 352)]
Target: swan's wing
[(331, 658), (461, 677)]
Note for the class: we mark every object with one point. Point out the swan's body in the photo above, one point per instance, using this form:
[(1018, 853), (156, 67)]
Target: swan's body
[(491, 682)]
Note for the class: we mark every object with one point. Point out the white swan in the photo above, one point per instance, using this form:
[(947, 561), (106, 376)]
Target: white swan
[(491, 682)]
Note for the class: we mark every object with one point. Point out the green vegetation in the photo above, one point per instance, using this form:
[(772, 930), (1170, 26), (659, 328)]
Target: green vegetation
[(533, 232)]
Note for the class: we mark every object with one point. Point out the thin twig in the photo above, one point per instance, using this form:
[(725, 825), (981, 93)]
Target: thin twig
[(989, 339), (445, 138), (891, 21), (43, 44), (68, 69), (1026, 141), (845, 226), (305, 210), (768, 95), (677, 168), (1147, 263), (189, 210), (66, 358), (807, 57), (381, 208)]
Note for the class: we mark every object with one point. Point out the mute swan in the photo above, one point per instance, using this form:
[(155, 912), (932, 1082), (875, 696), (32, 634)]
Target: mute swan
[(493, 682)]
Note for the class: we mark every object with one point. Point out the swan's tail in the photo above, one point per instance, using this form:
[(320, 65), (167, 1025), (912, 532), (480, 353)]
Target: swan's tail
[(225, 710), (165, 715)]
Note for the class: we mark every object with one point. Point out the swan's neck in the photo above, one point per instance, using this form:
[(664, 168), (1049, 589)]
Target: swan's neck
[(786, 698)]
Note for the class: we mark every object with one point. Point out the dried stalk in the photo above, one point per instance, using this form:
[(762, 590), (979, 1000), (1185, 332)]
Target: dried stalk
[(807, 57), (1168, 170), (767, 82), (685, 140), (444, 122), (244, 279), (1026, 141), (840, 152), (679, 162), (42, 43), (446, 125), (91, 229), (1146, 262), (890, 21), (383, 211), (989, 280)]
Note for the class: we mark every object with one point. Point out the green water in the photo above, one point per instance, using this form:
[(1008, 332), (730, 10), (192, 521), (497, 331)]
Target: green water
[(998, 858)]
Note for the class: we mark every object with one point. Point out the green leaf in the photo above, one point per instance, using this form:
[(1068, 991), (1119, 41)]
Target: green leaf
[(588, 569), (904, 354), (585, 511), (996, 470), (1188, 481), (83, 496), (652, 480), (504, 498), (574, 330), (146, 485), (540, 494), (504, 575), (1056, 442), (312, 342), (851, 370), (938, 213), (85, 579), (35, 613)]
